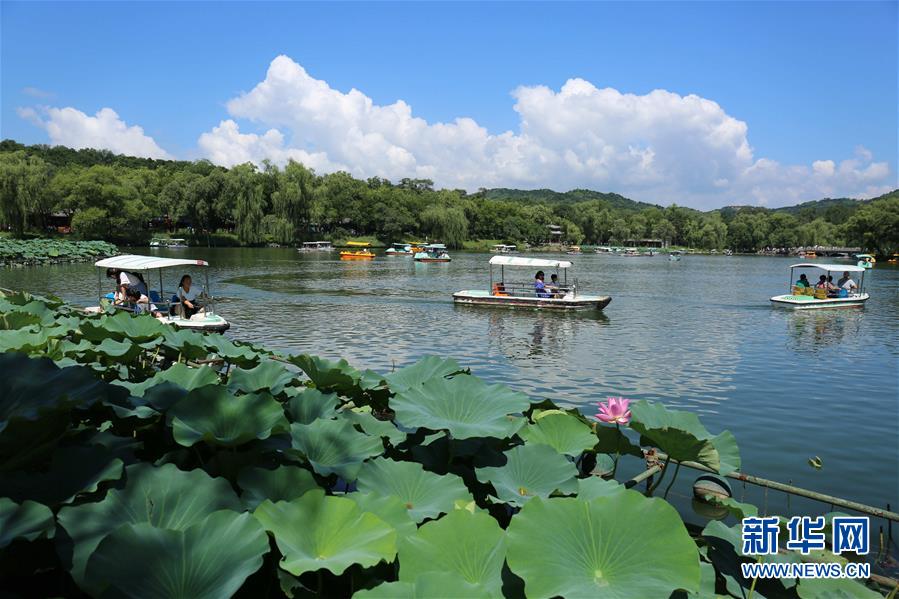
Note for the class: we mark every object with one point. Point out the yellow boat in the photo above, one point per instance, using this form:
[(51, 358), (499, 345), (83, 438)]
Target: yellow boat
[(364, 253)]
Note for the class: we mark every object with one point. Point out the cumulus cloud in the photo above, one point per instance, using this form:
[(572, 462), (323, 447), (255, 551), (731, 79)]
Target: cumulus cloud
[(658, 146), (105, 130)]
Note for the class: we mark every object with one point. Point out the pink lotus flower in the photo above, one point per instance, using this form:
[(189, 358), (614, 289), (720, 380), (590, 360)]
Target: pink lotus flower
[(614, 411)]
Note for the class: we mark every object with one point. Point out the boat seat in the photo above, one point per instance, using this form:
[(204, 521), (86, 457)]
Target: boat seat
[(797, 290), (499, 289), (821, 293)]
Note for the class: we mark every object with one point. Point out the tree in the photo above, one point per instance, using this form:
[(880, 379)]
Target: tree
[(446, 223), (248, 204), (876, 226), (23, 185), (294, 198), (664, 230)]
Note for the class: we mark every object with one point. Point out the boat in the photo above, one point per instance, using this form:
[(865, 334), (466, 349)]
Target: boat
[(893, 259), (363, 253), (400, 249), (728, 252), (168, 242), (433, 252), (316, 246), (807, 297), (574, 250), (632, 253), (603, 249), (865, 260), (502, 248), (523, 295), (168, 306), (675, 255)]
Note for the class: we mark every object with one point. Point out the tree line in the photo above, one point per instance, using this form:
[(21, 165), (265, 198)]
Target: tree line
[(127, 199)]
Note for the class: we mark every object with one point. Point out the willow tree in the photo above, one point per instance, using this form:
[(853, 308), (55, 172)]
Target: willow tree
[(294, 198), (23, 181), (247, 187), (446, 223)]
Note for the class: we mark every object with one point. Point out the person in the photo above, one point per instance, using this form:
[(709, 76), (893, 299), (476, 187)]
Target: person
[(140, 303), (803, 281), (540, 285), (846, 282), (554, 285), (832, 290), (822, 282), (187, 295)]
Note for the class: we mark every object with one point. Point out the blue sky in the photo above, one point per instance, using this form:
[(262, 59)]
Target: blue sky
[(811, 81)]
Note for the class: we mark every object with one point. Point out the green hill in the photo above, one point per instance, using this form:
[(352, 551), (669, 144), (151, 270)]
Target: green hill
[(573, 196)]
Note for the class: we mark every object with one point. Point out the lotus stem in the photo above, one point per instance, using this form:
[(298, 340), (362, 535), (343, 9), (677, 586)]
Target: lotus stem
[(673, 478), (655, 485), (617, 449)]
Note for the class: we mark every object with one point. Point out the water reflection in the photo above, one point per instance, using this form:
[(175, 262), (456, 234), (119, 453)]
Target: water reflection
[(810, 331)]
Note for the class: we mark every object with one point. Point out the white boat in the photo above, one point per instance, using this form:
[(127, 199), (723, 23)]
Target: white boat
[(400, 249), (603, 249), (315, 246), (803, 298), (168, 307), (865, 261), (675, 255), (524, 295), (168, 242), (502, 248), (433, 252)]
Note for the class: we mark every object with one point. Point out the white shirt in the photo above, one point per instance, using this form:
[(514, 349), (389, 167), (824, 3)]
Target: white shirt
[(188, 295), (848, 284), (129, 279)]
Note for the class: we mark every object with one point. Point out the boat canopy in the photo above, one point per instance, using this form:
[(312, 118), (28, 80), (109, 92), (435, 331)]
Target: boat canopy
[(830, 267), (361, 244), (435, 246), (864, 256), (134, 262), (536, 262)]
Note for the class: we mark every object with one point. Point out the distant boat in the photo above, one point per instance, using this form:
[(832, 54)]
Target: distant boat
[(316, 246), (168, 242), (363, 253), (675, 255), (400, 249), (866, 260), (574, 250), (802, 298), (502, 248), (434, 252)]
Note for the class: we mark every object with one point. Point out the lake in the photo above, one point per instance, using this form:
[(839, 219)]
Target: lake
[(698, 334)]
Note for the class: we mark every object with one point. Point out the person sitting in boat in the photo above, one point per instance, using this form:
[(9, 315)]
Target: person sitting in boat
[(846, 283), (803, 281), (832, 290), (128, 279), (554, 285), (822, 282), (187, 296), (540, 285), (140, 303)]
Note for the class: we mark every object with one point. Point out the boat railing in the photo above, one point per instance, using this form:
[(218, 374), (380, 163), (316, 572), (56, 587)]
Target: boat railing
[(528, 290)]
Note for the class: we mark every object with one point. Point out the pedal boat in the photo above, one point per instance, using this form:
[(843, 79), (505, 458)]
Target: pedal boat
[(434, 252), (400, 249), (206, 320), (364, 253), (804, 298), (523, 295)]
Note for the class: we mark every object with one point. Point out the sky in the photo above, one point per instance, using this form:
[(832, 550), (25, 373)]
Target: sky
[(700, 103)]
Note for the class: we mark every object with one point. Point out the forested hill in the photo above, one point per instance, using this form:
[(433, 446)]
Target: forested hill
[(548, 196), (95, 194)]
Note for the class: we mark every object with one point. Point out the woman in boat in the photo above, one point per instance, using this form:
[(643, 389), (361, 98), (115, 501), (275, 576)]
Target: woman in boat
[(540, 285), (803, 281), (822, 282), (187, 295)]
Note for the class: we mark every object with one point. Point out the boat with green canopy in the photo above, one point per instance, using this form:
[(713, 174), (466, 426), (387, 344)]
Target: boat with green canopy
[(846, 293), (510, 294), (433, 252)]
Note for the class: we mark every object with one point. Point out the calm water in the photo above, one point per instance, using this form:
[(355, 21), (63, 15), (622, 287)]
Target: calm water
[(697, 334)]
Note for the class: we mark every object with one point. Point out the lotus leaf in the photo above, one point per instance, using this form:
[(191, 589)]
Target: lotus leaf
[(215, 416), (530, 471), (72, 471), (269, 375), (184, 376), (425, 494), (612, 440), (425, 369), (209, 559), (561, 431), (35, 387), (324, 532), (599, 548), (29, 521), (464, 405), (427, 586), (327, 375), (284, 483), (683, 437), (30, 339), (470, 545), (123, 325), (164, 497), (593, 487), (388, 508), (364, 419), (334, 446), (312, 404), (242, 355), (834, 588)]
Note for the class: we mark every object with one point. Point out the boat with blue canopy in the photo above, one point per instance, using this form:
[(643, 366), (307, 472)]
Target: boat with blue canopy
[(433, 252)]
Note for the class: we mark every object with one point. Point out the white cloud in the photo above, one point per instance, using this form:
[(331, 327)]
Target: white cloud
[(105, 130), (659, 147), (36, 92)]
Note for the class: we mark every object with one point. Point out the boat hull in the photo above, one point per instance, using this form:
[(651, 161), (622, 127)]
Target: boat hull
[(357, 256), (807, 302), (484, 298), (433, 259)]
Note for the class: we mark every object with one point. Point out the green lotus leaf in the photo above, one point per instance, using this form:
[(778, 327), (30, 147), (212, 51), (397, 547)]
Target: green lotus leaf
[(561, 431), (834, 588), (72, 471), (209, 559), (569, 547), (318, 532), (35, 387), (164, 497), (120, 350), (334, 446), (470, 545), (593, 487), (612, 440), (530, 471), (239, 354), (311, 404), (10, 321), (464, 405), (327, 375), (269, 375), (425, 369), (284, 483), (683, 437), (30, 339), (29, 520), (364, 419), (388, 508), (184, 376), (425, 494), (123, 325), (189, 344), (215, 416), (427, 586)]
